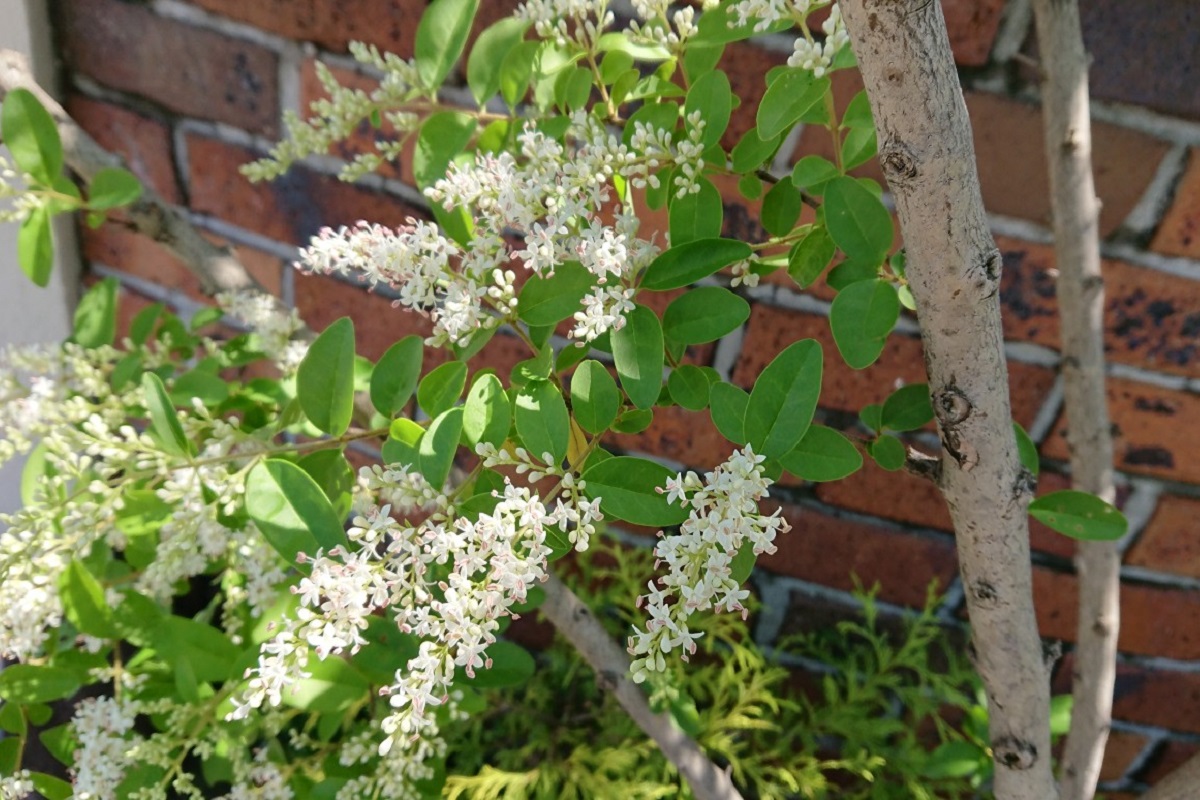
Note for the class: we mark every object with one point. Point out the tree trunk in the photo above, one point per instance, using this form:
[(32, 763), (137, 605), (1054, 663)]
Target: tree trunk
[(927, 154), (1076, 211)]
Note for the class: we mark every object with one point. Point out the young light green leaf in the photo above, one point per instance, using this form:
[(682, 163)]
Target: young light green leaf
[(690, 262), (35, 247), (112, 187), (595, 399), (395, 376), (325, 379), (861, 317), (784, 399), (794, 96), (291, 510), (96, 315), (542, 421), (1027, 450), (164, 423), (703, 315), (810, 256), (907, 408), (83, 602), (638, 355), (1079, 515), (955, 759), (441, 35), (711, 96), (439, 445), (486, 414), (31, 136), (696, 215), (206, 652), (443, 136), (857, 221), (27, 683), (781, 208), (404, 436), (441, 388), (727, 407), (488, 54), (627, 490), (549, 300), (822, 455), (333, 685)]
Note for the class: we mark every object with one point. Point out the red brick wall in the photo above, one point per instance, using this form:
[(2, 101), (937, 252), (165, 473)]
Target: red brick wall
[(188, 90)]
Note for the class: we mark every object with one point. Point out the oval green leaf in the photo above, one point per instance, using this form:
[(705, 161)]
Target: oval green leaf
[(164, 424), (325, 379), (857, 221), (861, 317), (627, 490), (35, 247), (441, 388), (488, 54), (727, 407), (31, 136), (810, 256), (784, 398), (112, 187), (291, 510), (595, 399), (704, 314), (439, 445), (822, 455), (638, 354), (441, 36), (696, 215), (689, 387), (712, 96), (1079, 515), (542, 421), (486, 414), (907, 408), (395, 376), (549, 300), (688, 263), (793, 96), (26, 683)]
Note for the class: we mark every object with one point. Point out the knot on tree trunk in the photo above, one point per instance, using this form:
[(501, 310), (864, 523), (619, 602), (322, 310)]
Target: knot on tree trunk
[(1015, 753), (898, 162)]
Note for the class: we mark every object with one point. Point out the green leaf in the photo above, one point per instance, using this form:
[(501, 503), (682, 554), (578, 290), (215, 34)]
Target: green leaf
[(138, 619), (441, 388), (512, 665), (655, 116), (143, 323), (638, 355), (907, 408), (325, 379), (198, 384), (112, 187), (542, 421), (792, 97), (204, 651), (861, 317), (486, 414), (810, 256), (957, 759), (488, 54), (703, 315), (31, 136), (50, 787), (26, 683), (696, 216), (595, 399), (442, 137), (1027, 450), (333, 473), (395, 376), (784, 399), (859, 147), (688, 263), (549, 300), (858, 112), (333, 686), (83, 602), (1079, 515), (1060, 714), (627, 490), (516, 71), (574, 89), (689, 386), (872, 416), (742, 563), (712, 96), (888, 452), (752, 151), (291, 510), (35, 247), (439, 445), (96, 315), (857, 221), (441, 36), (781, 208), (635, 420), (404, 436), (727, 406), (822, 455), (813, 173), (164, 423)]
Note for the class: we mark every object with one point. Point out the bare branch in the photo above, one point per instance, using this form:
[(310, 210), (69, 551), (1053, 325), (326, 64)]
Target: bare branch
[(928, 158), (611, 664), (1076, 211)]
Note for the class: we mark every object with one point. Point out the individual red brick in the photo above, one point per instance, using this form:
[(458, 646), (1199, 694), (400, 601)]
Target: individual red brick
[(1012, 165), (1169, 542), (1151, 318), (1154, 621), (188, 70), (772, 329), (1122, 750), (290, 209), (1170, 757), (136, 255), (1155, 434), (144, 143), (1179, 232), (830, 551)]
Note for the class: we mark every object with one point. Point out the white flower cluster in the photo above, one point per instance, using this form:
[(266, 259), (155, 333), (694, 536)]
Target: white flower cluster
[(275, 326), (565, 21), (766, 13), (724, 518), (658, 25), (14, 187), (103, 726), (17, 786), (817, 57)]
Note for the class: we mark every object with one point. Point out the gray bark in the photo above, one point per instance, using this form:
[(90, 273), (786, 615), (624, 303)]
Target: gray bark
[(1076, 211), (954, 274)]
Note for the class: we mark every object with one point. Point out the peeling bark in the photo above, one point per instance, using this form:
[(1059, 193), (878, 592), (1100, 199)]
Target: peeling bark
[(954, 273), (1076, 211)]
